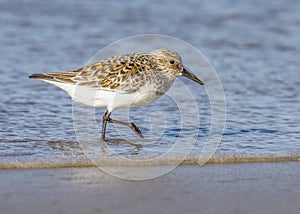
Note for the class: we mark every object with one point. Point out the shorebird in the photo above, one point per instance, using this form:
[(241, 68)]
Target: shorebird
[(125, 81)]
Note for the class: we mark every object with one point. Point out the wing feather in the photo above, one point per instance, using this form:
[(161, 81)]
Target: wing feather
[(124, 73)]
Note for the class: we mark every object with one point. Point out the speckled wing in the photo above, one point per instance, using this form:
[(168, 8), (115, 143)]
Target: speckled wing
[(125, 73)]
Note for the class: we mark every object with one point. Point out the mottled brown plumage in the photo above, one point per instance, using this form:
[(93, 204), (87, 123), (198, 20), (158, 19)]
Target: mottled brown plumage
[(110, 74)]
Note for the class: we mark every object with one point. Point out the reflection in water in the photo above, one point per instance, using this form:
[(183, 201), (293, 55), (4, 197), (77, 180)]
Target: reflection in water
[(136, 145)]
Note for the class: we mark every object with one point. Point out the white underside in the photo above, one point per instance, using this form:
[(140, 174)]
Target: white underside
[(108, 99)]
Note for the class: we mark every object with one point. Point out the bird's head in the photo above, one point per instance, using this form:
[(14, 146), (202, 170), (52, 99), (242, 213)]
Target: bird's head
[(170, 63)]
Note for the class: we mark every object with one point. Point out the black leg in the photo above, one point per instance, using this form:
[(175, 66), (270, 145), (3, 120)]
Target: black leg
[(104, 122), (134, 128), (106, 119)]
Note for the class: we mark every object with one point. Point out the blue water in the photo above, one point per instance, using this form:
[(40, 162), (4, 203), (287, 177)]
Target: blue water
[(254, 47)]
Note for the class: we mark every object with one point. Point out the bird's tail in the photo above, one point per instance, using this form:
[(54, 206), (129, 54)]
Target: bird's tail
[(64, 77), (42, 76)]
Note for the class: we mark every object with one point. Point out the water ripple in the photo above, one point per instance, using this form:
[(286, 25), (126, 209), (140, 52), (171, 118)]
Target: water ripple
[(256, 58)]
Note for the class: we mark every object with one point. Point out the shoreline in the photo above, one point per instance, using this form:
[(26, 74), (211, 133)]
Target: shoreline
[(98, 160)]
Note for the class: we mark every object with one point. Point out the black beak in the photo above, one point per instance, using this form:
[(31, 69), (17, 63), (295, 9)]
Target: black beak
[(187, 73)]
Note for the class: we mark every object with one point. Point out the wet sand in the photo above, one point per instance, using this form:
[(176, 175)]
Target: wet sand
[(213, 188)]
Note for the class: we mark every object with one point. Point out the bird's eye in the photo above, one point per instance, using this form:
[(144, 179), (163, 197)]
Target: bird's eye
[(172, 62)]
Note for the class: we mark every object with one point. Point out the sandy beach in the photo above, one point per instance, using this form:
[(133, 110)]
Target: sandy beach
[(213, 188)]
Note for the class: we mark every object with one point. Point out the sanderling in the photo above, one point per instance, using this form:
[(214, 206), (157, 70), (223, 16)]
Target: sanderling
[(125, 81)]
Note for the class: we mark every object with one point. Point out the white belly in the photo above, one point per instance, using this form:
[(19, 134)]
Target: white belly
[(109, 99)]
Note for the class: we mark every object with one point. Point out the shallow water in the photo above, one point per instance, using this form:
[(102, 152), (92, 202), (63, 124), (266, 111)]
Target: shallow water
[(253, 45)]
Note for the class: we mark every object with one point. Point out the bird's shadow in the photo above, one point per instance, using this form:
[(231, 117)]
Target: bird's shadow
[(138, 143), (110, 146)]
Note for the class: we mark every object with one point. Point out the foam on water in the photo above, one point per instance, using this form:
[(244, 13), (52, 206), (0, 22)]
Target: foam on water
[(80, 160)]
